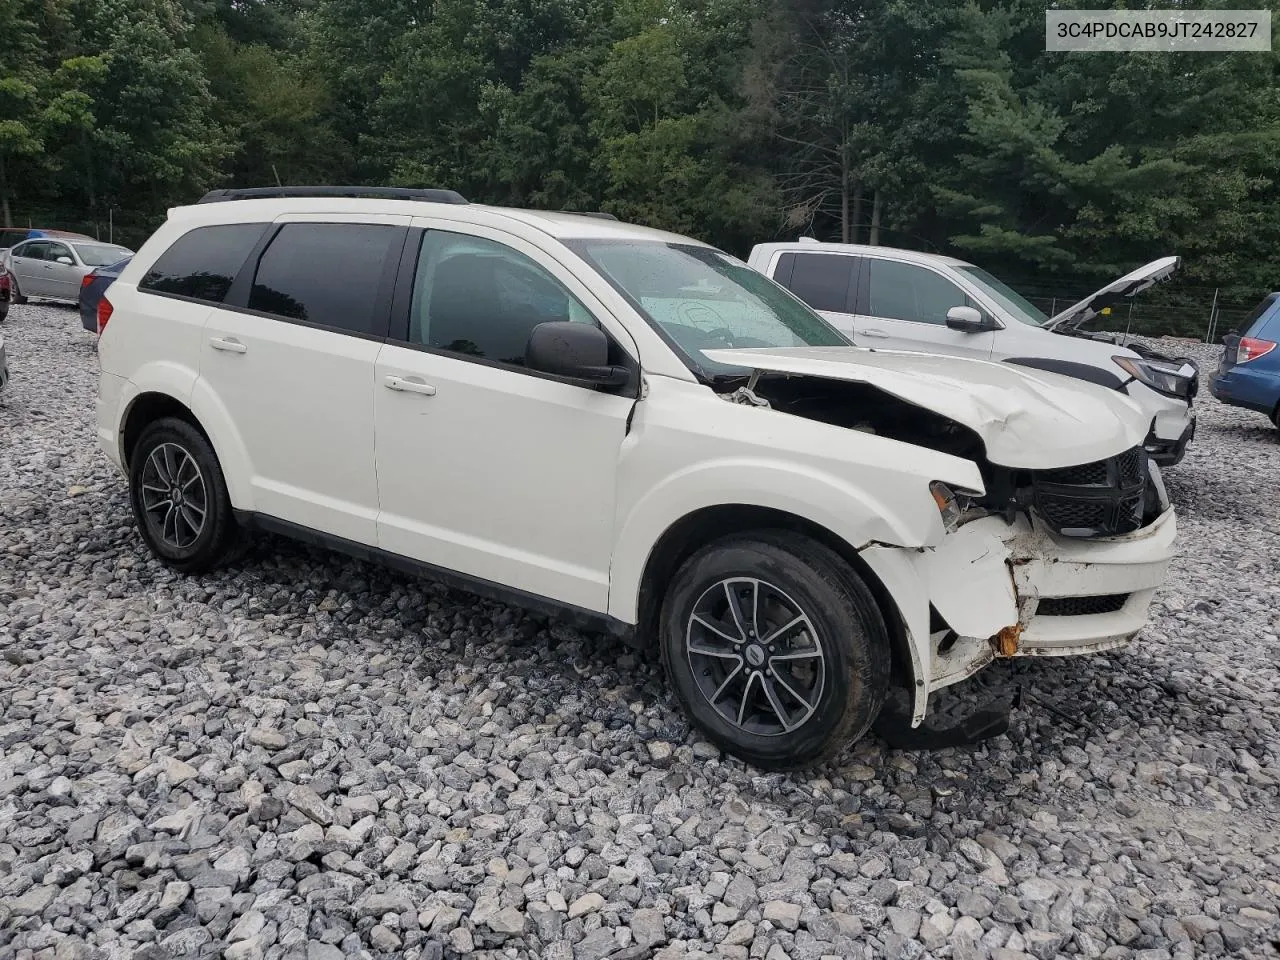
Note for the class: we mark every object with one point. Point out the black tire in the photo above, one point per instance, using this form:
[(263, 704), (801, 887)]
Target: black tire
[(844, 628), (4, 311), (14, 292), (160, 449)]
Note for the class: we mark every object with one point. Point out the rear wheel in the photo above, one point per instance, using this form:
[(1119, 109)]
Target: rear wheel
[(4, 310), (179, 497), (775, 648)]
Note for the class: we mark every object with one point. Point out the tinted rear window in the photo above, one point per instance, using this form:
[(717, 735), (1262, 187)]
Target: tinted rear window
[(822, 280), (327, 274), (201, 264)]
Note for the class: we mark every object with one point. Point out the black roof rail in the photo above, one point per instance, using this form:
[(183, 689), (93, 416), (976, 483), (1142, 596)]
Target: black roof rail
[(598, 214), (429, 194)]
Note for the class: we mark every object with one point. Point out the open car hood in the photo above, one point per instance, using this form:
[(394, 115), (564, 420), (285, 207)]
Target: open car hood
[(1131, 283), (1028, 419)]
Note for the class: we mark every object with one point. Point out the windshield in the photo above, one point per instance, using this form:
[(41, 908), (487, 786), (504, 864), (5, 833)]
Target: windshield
[(702, 299), (99, 254), (1018, 306)]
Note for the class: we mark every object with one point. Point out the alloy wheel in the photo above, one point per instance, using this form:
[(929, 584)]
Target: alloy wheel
[(756, 656), (174, 496)]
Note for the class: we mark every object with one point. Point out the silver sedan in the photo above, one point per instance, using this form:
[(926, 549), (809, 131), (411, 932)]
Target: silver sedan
[(53, 268)]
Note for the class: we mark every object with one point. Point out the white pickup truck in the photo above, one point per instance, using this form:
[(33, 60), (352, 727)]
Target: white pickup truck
[(890, 299)]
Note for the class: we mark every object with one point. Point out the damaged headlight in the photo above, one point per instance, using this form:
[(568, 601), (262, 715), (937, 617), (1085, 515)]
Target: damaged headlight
[(1173, 379), (952, 504)]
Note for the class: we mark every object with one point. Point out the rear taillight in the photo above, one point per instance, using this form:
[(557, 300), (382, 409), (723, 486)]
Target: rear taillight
[(104, 314), (87, 279), (1251, 348)]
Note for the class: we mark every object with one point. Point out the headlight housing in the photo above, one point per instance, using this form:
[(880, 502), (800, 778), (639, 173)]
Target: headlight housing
[(1171, 379), (951, 504)]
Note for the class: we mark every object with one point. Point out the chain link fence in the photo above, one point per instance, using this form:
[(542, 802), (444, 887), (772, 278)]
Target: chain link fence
[(1200, 313)]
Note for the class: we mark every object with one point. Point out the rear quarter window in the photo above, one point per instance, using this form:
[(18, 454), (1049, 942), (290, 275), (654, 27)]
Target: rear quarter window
[(202, 263)]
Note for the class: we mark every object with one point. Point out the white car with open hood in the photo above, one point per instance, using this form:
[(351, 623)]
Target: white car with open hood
[(631, 430), (885, 298)]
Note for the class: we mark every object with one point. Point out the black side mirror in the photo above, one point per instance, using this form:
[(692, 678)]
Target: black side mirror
[(575, 351), (969, 320)]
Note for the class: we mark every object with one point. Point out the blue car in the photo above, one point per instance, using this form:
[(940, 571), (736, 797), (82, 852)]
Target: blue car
[(92, 286), (1249, 375)]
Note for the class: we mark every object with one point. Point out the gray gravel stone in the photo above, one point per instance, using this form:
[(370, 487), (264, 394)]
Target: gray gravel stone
[(325, 759)]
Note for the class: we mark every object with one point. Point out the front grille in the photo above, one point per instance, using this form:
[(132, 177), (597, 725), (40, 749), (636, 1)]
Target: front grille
[(1081, 606), (1086, 474), (1103, 498)]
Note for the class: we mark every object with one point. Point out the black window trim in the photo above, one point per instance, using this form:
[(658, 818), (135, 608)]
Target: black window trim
[(402, 303)]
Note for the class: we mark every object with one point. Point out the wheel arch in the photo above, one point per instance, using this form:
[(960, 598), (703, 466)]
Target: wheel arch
[(207, 415), (700, 527)]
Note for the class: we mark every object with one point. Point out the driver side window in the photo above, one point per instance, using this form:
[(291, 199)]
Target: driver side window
[(56, 250), (482, 299), (904, 291)]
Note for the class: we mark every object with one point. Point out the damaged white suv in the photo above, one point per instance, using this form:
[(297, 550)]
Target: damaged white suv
[(629, 429)]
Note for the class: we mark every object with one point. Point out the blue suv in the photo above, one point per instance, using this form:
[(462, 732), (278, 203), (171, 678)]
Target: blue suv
[(1249, 375)]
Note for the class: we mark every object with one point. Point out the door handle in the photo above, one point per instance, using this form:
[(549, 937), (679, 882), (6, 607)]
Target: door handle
[(229, 344), (874, 333), (409, 385)]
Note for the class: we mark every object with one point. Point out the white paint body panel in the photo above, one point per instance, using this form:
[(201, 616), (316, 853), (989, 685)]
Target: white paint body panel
[(1026, 418), (563, 492)]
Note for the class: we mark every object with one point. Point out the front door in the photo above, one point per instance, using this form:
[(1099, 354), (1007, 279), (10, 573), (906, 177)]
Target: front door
[(903, 306), (27, 261), (291, 355), (484, 467)]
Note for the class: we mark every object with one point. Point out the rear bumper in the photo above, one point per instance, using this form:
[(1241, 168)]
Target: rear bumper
[(1252, 389)]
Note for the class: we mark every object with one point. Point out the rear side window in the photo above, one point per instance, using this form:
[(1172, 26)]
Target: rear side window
[(1252, 324), (200, 265), (822, 280), (327, 274)]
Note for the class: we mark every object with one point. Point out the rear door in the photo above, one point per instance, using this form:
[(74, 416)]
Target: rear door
[(903, 306), (26, 261), (290, 355)]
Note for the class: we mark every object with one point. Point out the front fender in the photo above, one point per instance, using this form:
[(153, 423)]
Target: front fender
[(850, 513)]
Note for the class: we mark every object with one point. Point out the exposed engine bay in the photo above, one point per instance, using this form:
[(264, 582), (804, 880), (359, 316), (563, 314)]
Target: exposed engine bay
[(1105, 498)]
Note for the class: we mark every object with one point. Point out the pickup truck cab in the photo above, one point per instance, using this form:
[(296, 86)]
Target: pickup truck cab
[(885, 298), (629, 429)]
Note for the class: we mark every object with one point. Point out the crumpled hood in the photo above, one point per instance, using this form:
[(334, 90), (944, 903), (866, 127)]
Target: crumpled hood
[(1028, 419)]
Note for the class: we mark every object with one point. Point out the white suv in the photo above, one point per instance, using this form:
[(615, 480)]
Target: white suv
[(890, 299), (629, 429)]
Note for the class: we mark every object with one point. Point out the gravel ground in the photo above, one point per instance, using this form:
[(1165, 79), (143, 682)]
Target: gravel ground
[(313, 758)]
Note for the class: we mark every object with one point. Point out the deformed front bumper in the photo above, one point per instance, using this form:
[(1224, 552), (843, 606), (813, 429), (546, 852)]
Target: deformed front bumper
[(1018, 589)]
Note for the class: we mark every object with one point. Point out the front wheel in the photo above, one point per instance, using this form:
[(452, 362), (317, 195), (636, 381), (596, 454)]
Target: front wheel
[(179, 497), (775, 648), (15, 292)]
